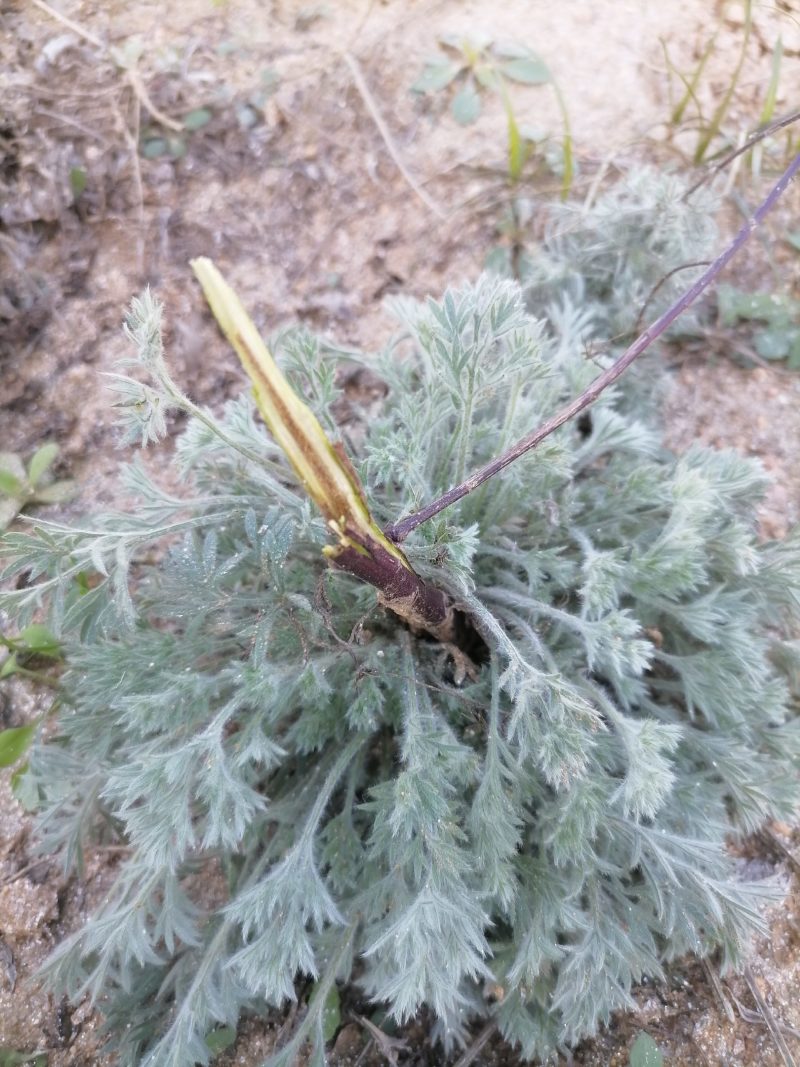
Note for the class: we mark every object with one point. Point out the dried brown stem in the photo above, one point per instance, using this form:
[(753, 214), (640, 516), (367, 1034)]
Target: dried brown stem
[(400, 530), (400, 589)]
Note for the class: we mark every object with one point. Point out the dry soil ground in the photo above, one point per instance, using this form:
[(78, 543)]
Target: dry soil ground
[(292, 186)]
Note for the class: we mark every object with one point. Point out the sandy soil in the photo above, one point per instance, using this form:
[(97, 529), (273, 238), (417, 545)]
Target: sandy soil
[(292, 188)]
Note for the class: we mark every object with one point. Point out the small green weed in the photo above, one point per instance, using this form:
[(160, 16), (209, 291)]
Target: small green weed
[(220, 1039), (231, 108), (155, 143), (35, 641), (775, 318), (13, 1058), (33, 646), (645, 1052), (14, 743), (474, 67), (716, 134), (331, 1014), (20, 486)]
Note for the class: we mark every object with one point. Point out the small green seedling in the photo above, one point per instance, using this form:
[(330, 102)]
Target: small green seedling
[(34, 643), (477, 66), (21, 486), (247, 110), (155, 143), (775, 318), (13, 1058), (220, 1039), (331, 1014), (645, 1052), (78, 180), (14, 743)]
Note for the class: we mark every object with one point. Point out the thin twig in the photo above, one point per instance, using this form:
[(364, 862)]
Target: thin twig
[(67, 121), (773, 1025), (716, 985), (400, 530), (364, 1052), (752, 140), (388, 140), (142, 94), (69, 23), (469, 1055), (597, 181), (132, 75), (22, 871), (662, 281)]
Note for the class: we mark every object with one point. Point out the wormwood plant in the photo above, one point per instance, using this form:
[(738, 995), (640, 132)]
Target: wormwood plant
[(480, 65), (518, 821)]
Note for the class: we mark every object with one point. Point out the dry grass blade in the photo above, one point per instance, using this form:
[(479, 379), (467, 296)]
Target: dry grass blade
[(143, 96), (471, 1054), (726, 344), (768, 110), (69, 23), (755, 1017), (388, 140), (67, 121), (773, 1025), (716, 985)]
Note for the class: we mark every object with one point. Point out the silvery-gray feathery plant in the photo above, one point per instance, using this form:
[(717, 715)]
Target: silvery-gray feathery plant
[(314, 795)]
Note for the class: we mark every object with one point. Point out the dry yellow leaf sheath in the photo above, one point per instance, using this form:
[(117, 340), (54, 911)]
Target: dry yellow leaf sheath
[(328, 478)]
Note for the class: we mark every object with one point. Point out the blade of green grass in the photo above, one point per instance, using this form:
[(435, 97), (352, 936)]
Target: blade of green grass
[(569, 161), (516, 142), (768, 110), (690, 84), (718, 117), (516, 145)]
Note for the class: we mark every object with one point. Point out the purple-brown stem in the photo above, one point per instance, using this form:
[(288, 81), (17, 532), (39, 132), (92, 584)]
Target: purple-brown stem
[(752, 140), (400, 530)]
